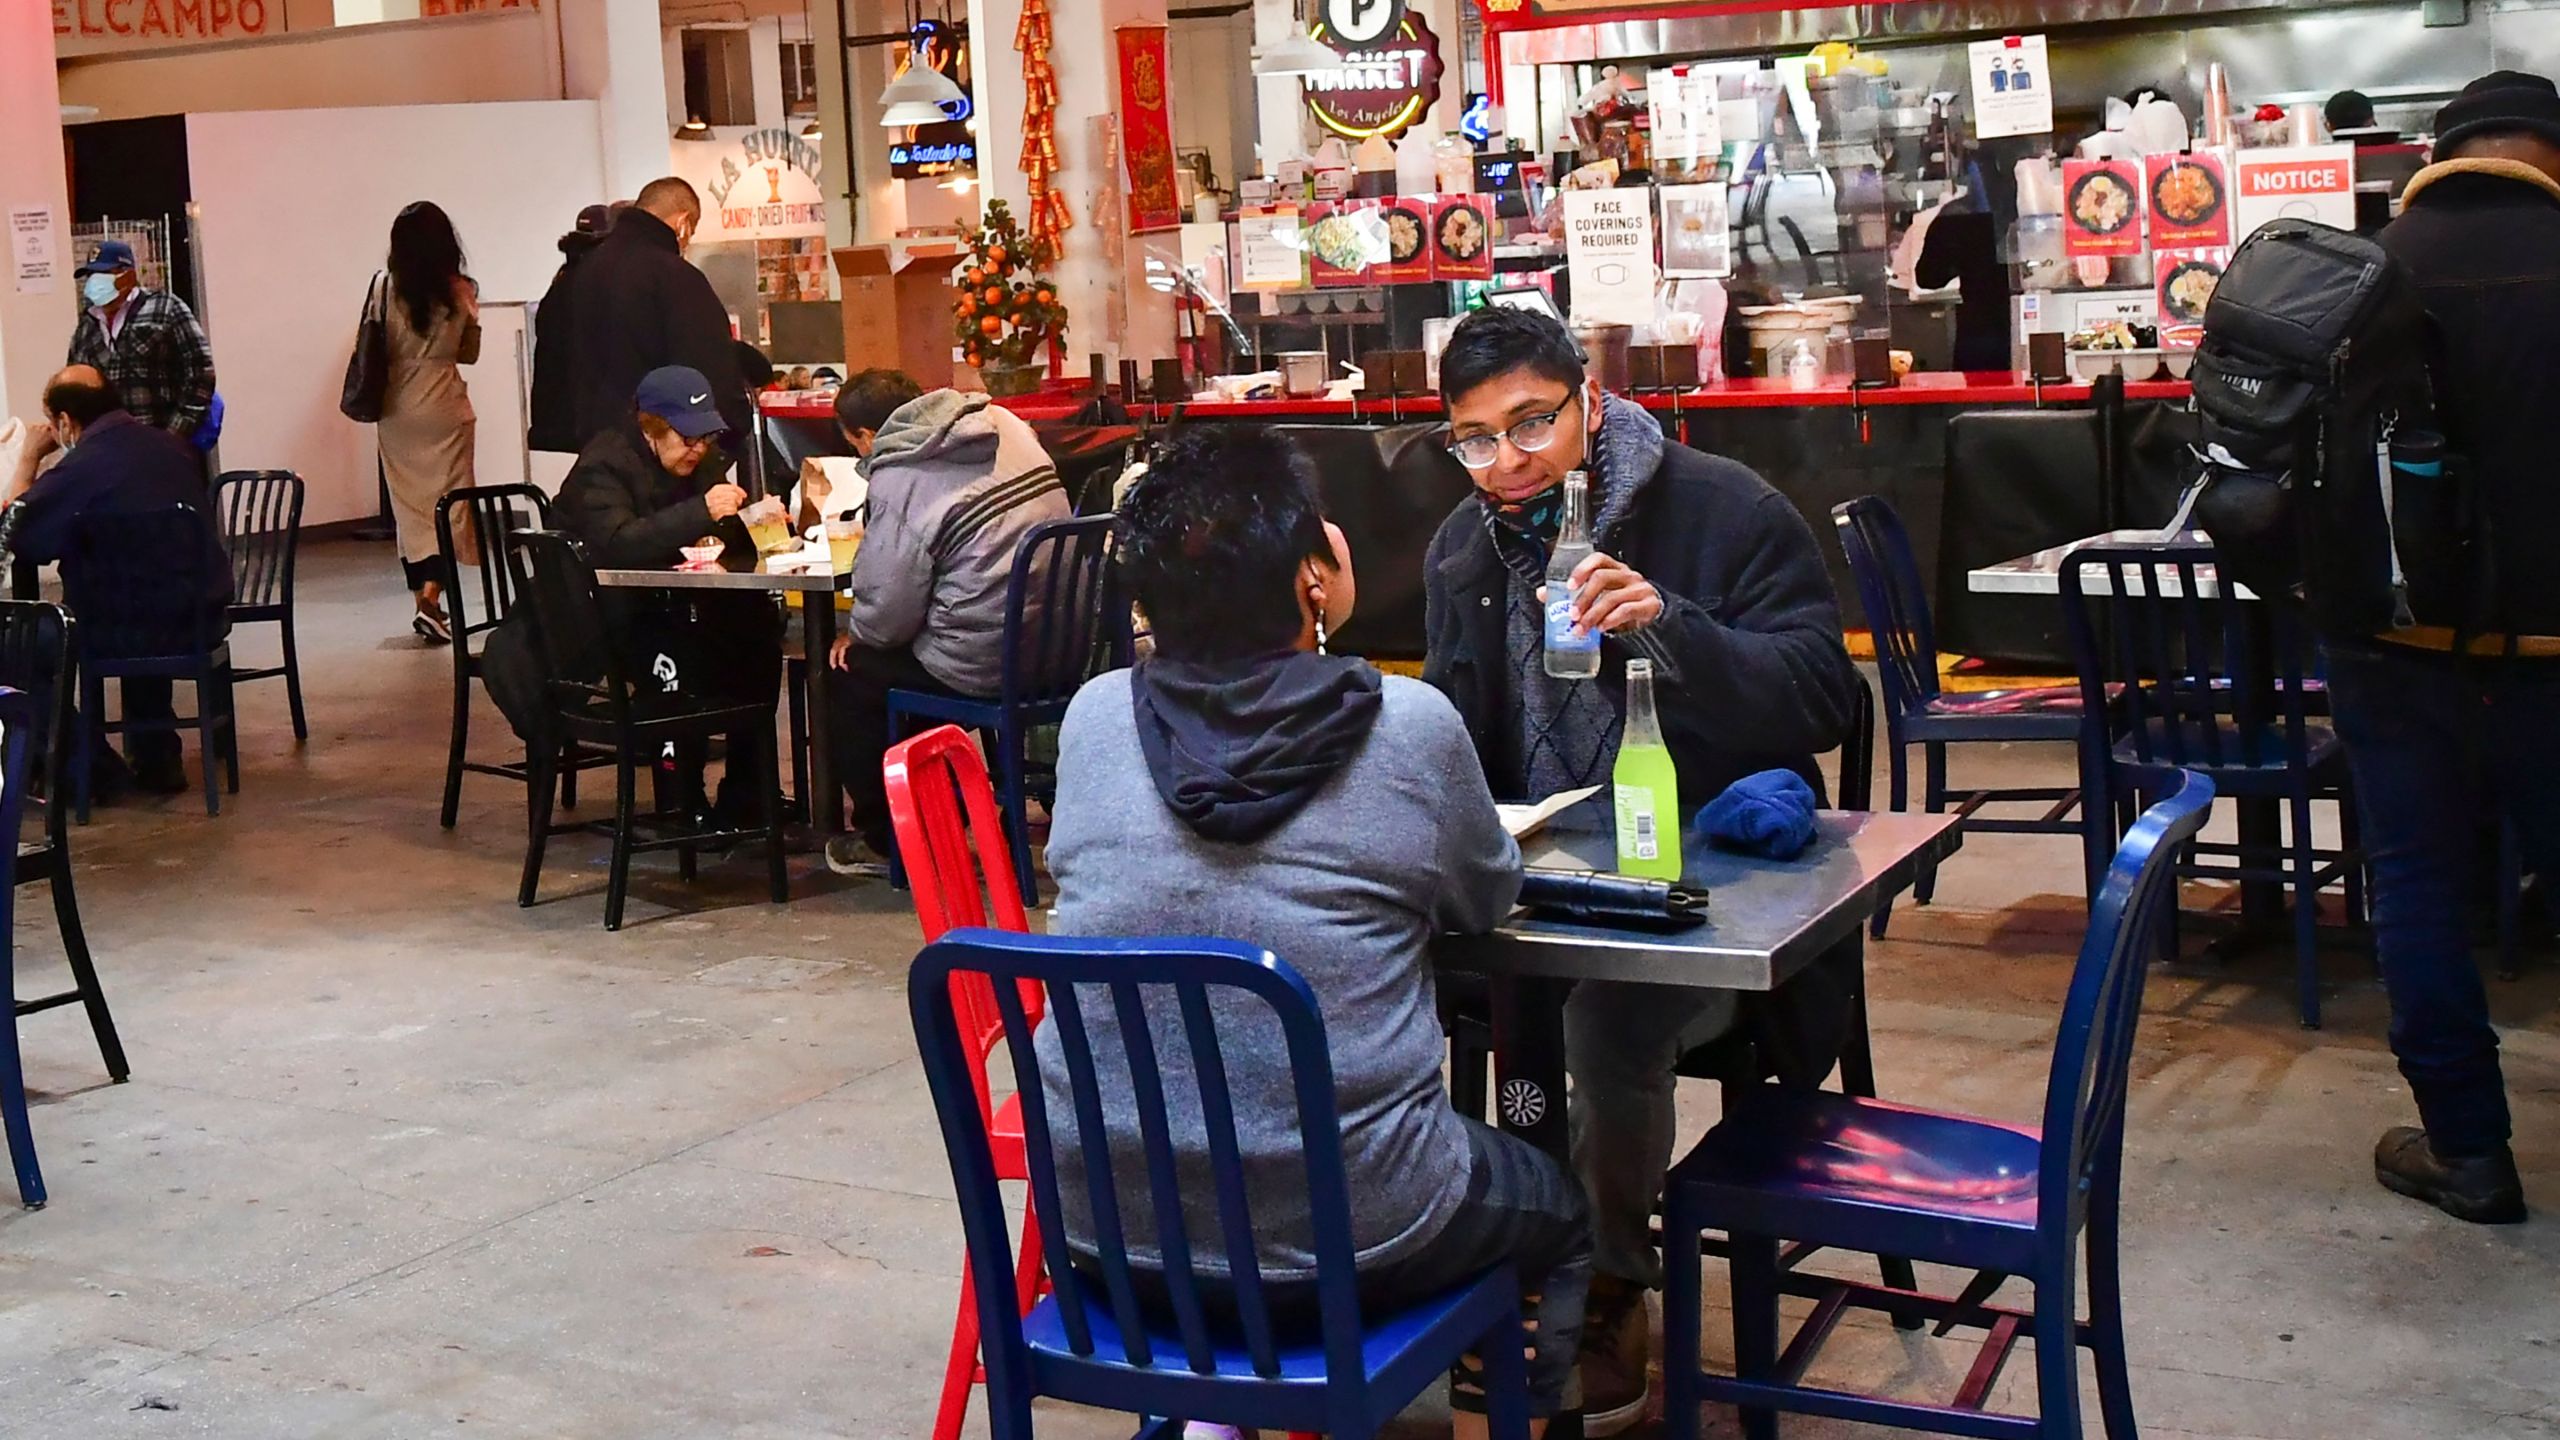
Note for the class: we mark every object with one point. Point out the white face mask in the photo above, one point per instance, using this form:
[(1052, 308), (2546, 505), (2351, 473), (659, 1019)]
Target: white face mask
[(99, 290)]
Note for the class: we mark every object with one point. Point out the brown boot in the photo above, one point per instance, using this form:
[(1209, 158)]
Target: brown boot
[(1617, 1353)]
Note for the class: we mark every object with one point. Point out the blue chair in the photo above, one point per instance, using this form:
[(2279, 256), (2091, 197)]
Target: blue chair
[(137, 583), (2203, 680), (1090, 1343), (1064, 620), (1837, 1171), (21, 720), (1917, 712)]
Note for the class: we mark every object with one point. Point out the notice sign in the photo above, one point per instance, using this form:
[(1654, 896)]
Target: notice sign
[(2101, 208), (1270, 254), (2012, 87), (1687, 125), (1608, 240), (2312, 182), (31, 249)]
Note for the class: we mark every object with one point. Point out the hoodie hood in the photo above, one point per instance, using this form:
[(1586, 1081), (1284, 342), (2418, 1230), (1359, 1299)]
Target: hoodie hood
[(944, 425), (1236, 747)]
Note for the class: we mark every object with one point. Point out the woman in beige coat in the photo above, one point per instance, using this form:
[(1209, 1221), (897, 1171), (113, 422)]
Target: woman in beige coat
[(431, 320)]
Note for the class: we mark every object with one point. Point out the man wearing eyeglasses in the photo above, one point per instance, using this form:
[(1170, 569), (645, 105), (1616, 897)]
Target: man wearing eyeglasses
[(1709, 573)]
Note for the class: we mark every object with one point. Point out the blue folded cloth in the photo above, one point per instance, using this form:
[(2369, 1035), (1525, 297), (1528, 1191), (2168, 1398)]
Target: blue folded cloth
[(1770, 813)]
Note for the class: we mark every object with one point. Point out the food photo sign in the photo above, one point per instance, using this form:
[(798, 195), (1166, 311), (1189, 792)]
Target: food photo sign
[(2189, 197), (2101, 208)]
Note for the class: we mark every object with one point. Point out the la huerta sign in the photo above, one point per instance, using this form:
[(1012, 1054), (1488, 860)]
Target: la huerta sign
[(1383, 86), (756, 184)]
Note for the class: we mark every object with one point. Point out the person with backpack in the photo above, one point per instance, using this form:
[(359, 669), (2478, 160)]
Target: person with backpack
[(2452, 719)]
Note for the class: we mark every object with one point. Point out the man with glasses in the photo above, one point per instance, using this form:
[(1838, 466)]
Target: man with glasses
[(1703, 569), (639, 493)]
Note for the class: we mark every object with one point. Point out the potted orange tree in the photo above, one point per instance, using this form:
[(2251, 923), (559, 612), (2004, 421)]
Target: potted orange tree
[(1007, 308)]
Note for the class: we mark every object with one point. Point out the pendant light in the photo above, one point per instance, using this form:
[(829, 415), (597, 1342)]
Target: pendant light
[(916, 89), (693, 129), (1300, 53)]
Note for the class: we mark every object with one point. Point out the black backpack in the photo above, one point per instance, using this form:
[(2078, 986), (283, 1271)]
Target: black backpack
[(2313, 369)]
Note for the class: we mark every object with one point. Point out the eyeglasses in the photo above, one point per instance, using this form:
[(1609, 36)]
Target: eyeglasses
[(1536, 433)]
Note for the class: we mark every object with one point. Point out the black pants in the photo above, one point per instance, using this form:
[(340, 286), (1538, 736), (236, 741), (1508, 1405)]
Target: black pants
[(1523, 1209), (858, 719), (417, 574), (146, 699), (719, 649)]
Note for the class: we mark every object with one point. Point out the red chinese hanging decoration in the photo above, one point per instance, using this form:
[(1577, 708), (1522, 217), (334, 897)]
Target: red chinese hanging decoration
[(1048, 216)]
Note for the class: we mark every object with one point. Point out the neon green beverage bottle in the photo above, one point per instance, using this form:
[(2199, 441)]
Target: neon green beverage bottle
[(1648, 790)]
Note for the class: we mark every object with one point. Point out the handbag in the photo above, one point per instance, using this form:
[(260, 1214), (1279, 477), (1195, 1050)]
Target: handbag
[(369, 364)]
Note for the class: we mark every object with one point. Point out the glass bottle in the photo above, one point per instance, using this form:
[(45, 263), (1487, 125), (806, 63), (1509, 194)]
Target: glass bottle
[(1647, 788), (1573, 653)]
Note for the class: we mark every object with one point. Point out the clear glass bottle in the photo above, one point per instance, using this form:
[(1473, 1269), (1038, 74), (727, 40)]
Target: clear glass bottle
[(1646, 786), (1573, 653)]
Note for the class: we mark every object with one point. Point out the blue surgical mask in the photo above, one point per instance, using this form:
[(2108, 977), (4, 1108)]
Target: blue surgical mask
[(99, 290)]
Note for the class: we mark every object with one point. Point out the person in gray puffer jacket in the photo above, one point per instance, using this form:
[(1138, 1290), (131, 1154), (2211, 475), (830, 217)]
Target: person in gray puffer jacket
[(957, 482)]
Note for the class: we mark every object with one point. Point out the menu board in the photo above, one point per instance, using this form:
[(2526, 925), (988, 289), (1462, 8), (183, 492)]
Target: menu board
[(2184, 280), (1345, 240), (1608, 239), (2189, 199), (1271, 254), (1697, 231), (1407, 220), (2101, 208), (2307, 182), (1462, 237)]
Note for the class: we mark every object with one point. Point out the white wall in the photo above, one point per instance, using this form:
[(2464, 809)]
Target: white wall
[(293, 228), (500, 55), (34, 326)]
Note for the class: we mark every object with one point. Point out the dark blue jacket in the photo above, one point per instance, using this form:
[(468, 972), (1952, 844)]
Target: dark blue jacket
[(120, 467)]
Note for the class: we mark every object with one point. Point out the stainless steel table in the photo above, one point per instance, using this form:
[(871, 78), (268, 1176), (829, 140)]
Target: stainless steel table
[(817, 591), (2041, 572), (1766, 921)]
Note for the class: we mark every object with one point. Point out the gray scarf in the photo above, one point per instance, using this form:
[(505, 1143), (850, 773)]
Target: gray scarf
[(1569, 728)]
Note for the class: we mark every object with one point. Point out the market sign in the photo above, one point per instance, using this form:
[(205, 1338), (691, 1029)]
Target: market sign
[(1383, 85), (89, 27), (756, 184)]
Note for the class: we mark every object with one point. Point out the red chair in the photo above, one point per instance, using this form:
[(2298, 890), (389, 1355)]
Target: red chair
[(935, 781)]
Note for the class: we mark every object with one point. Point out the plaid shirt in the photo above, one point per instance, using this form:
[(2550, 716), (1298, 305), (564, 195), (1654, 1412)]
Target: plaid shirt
[(160, 361)]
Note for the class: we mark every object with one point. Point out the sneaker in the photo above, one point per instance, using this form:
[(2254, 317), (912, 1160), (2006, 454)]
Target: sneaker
[(2482, 1189), (1617, 1355), (432, 627), (852, 855)]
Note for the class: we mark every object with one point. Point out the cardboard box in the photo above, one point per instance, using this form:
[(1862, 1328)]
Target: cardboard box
[(897, 309)]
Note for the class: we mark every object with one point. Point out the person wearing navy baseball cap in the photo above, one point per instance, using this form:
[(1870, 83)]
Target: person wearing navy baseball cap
[(2443, 744), (640, 492), (145, 341)]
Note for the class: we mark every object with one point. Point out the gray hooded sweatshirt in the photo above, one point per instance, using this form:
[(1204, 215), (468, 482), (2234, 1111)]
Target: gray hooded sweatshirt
[(956, 483)]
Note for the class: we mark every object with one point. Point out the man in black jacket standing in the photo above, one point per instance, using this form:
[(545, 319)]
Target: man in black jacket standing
[(2437, 741), (637, 305), (1702, 569), (552, 410)]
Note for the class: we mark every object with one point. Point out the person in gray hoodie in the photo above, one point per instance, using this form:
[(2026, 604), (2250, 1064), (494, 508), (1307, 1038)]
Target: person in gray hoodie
[(957, 481), (1244, 784)]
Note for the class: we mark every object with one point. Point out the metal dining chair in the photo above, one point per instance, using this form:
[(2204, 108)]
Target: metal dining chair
[(1064, 621), (479, 598), (20, 719), (1917, 711), (260, 512), (1832, 1171), (943, 811), (2200, 679), (36, 658), (1156, 1018)]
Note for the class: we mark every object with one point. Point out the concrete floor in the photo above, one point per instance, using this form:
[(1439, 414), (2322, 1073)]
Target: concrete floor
[(401, 1159)]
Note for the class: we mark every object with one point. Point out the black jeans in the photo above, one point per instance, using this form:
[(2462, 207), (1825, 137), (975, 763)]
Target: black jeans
[(858, 722), (719, 649), (2438, 748), (146, 698), (1523, 1209)]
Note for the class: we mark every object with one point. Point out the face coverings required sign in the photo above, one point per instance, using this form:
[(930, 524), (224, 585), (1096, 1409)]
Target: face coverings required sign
[(1608, 239)]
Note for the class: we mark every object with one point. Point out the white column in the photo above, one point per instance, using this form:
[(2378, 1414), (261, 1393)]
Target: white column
[(612, 52), (1281, 101), (35, 327), (764, 56), (837, 148)]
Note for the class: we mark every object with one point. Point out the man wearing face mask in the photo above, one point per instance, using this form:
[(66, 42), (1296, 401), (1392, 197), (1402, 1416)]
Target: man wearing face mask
[(146, 342), (1710, 574), (637, 305)]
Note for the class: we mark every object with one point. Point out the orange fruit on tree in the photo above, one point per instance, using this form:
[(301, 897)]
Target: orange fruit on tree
[(968, 306), (995, 294), (991, 327)]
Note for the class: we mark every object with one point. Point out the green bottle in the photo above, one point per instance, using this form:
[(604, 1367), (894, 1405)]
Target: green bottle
[(1648, 790)]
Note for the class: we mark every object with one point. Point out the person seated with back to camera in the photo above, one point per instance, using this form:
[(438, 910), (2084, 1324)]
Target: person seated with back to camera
[(1242, 783)]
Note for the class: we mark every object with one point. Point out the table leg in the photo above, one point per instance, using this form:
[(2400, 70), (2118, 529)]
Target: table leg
[(1529, 1087), (818, 637)]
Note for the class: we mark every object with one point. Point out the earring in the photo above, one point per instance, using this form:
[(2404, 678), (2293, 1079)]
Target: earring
[(1317, 599)]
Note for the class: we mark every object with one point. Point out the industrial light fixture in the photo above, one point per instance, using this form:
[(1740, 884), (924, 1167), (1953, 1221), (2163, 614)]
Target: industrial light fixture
[(918, 87), (1298, 54), (913, 112), (693, 129), (813, 131)]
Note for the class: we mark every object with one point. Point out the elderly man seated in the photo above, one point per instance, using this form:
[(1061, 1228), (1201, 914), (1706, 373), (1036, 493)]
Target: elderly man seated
[(113, 464)]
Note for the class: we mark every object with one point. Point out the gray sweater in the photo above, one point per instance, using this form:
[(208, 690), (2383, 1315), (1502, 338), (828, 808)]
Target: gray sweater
[(1404, 843)]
